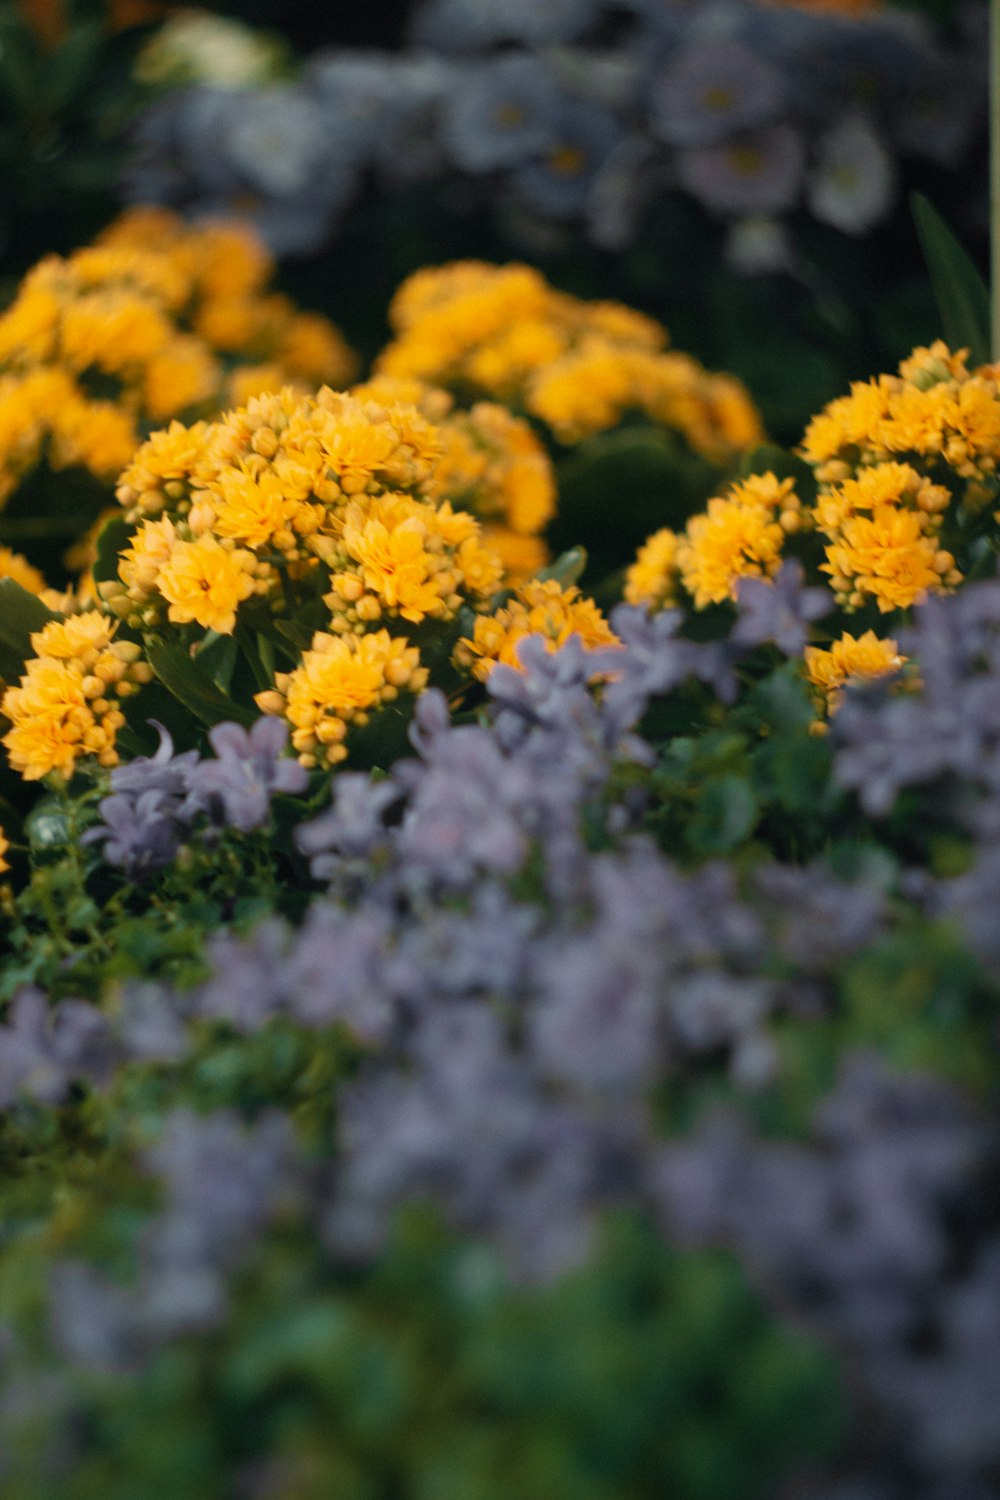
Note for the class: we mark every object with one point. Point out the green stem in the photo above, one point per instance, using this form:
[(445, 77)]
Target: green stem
[(995, 178)]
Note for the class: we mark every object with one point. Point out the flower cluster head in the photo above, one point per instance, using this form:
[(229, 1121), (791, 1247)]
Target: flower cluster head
[(330, 495), (848, 659), (652, 579), (883, 537), (935, 414), (153, 321), (741, 534), (899, 461), (491, 463), (340, 682), (68, 702), (539, 607), (579, 367)]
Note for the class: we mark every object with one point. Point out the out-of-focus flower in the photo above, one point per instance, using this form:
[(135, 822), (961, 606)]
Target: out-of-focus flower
[(196, 46), (710, 93), (580, 139), (758, 245), (758, 173), (852, 184), (248, 769), (474, 25), (499, 113)]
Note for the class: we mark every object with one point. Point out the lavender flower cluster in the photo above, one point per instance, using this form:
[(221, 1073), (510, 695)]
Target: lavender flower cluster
[(586, 112), (157, 801), (944, 740), (525, 972)]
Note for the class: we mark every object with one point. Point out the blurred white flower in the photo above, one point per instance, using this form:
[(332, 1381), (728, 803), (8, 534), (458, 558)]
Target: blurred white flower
[(194, 46), (854, 180)]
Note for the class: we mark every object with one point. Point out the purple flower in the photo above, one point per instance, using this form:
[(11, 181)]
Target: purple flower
[(163, 771), (779, 611), (711, 92), (141, 834), (44, 1049), (248, 770), (758, 172)]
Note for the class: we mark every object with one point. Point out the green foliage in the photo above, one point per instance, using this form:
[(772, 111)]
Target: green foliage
[(618, 487), (21, 614), (962, 297)]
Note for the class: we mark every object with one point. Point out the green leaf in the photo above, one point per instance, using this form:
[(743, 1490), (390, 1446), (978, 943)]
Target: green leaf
[(727, 811), (962, 296), (216, 656), (567, 568), (21, 614), (113, 538), (192, 686)]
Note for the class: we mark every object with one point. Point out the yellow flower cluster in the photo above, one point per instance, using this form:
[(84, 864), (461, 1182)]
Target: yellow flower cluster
[(935, 414), (491, 463), (850, 658), (652, 579), (741, 534), (883, 537), (340, 682), (537, 607), (155, 320), (67, 704), (503, 332), (252, 505)]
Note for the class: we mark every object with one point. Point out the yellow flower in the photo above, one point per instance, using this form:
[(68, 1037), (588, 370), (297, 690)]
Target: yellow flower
[(161, 470), (338, 683), (180, 375), (887, 557), (97, 435), (395, 566), (4, 846), (538, 607), (652, 578), (864, 657), (66, 704), (18, 568), (204, 583), (728, 542)]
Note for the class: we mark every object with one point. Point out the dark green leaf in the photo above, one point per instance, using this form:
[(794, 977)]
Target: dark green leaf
[(21, 614), (962, 297), (217, 658), (192, 686), (111, 542)]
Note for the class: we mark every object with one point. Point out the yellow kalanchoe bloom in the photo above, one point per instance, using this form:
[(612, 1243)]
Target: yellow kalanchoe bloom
[(204, 583), (140, 313), (20, 570), (489, 462), (850, 658), (503, 332), (935, 414), (538, 607), (339, 683), (255, 503), (741, 534), (652, 579), (882, 537), (67, 702)]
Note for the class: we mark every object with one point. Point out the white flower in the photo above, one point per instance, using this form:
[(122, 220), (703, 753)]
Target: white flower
[(854, 180)]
